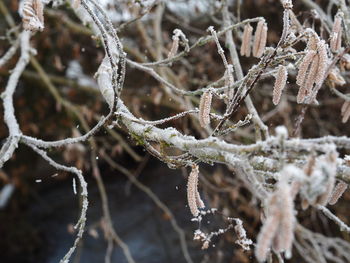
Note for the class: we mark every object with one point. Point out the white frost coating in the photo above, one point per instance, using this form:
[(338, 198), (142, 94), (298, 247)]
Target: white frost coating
[(242, 240), (74, 185), (216, 147), (104, 81), (317, 188), (330, 215), (267, 163), (9, 112), (84, 194), (282, 132), (292, 172), (9, 54)]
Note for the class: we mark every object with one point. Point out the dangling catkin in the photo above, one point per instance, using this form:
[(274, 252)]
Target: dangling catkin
[(345, 106), (204, 109), (262, 44), (278, 229), (311, 77), (265, 238), (323, 62), (192, 190), (39, 10), (32, 15), (257, 37), (345, 111), (175, 45), (280, 83), (285, 234), (301, 94), (336, 35), (268, 230), (246, 40), (174, 48), (229, 80), (312, 42), (337, 192), (304, 66)]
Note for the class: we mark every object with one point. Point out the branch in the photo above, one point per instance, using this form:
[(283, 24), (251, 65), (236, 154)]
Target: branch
[(11, 144)]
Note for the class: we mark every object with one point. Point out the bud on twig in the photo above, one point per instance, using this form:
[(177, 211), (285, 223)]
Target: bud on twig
[(33, 18), (204, 109)]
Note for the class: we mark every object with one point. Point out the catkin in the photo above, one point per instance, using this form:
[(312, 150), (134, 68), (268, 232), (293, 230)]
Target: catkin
[(327, 165), (304, 66), (246, 40), (337, 192), (301, 94), (263, 38), (265, 238), (174, 47), (305, 81), (340, 35), (323, 62), (345, 111), (285, 235), (278, 229), (204, 109), (336, 35), (268, 230), (312, 42), (311, 78), (257, 37), (280, 83), (192, 190), (312, 69), (323, 198), (345, 106), (32, 15), (199, 200), (229, 80)]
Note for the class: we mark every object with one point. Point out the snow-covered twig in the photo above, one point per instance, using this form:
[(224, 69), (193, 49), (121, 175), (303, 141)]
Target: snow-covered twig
[(9, 112)]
